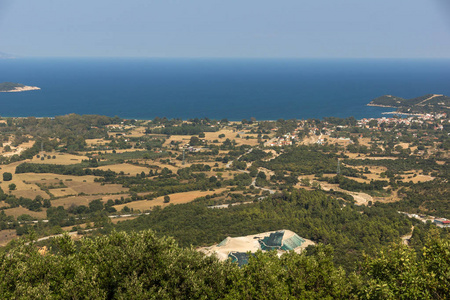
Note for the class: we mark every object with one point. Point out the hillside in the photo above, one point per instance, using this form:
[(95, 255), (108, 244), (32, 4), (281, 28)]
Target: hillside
[(430, 103)]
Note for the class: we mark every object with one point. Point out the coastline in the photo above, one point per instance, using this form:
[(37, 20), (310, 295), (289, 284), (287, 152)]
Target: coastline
[(400, 113), (379, 105), (22, 89)]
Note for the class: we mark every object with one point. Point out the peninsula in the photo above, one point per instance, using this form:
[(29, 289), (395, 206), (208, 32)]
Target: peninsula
[(430, 103), (16, 87)]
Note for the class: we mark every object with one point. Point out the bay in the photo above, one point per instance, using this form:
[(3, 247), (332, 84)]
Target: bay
[(266, 89)]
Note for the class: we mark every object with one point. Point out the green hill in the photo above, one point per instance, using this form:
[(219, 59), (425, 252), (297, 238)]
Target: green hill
[(430, 103), (8, 86)]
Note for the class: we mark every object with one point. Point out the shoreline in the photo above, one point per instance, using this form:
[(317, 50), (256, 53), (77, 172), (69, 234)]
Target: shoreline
[(22, 89), (400, 113), (379, 105)]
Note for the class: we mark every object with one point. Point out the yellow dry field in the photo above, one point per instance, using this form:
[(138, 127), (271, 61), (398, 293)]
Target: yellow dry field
[(126, 168), (4, 204), (6, 236), (404, 145), (118, 220), (170, 167), (92, 188), (230, 134), (178, 198), (417, 178), (63, 192), (122, 150), (74, 200), (96, 142), (16, 150), (26, 182), (211, 136), (89, 188), (61, 159), (136, 132), (184, 139), (30, 194), (105, 198), (364, 141), (17, 211)]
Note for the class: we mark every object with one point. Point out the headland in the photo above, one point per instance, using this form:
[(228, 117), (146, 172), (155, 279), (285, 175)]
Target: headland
[(10, 87)]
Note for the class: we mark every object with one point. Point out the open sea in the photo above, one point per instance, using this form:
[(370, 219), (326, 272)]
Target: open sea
[(267, 89)]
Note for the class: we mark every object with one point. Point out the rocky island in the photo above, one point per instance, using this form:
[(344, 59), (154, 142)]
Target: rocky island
[(430, 103), (16, 87)]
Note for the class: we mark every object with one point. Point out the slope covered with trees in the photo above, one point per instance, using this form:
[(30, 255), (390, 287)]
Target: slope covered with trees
[(144, 266)]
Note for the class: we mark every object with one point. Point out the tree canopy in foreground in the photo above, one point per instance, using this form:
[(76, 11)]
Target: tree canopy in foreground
[(143, 266)]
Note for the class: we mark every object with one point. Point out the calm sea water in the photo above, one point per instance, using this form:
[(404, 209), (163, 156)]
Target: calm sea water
[(216, 88)]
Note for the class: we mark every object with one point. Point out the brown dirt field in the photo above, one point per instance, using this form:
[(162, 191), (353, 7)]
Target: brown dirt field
[(61, 159), (178, 198), (76, 200), (6, 236), (17, 211), (126, 168)]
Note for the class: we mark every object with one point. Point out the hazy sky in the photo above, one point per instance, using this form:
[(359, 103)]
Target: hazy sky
[(226, 28)]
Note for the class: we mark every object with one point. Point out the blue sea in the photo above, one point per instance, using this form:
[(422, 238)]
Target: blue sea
[(267, 89)]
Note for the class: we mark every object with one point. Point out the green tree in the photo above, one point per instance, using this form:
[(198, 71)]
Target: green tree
[(166, 199), (7, 176)]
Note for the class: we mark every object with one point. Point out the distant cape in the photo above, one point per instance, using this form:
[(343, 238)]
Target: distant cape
[(430, 103), (4, 55), (9, 87)]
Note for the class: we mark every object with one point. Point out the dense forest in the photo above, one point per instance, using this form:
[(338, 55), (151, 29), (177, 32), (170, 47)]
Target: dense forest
[(144, 266), (351, 230)]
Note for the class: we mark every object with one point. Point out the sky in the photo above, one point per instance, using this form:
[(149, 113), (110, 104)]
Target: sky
[(226, 28)]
